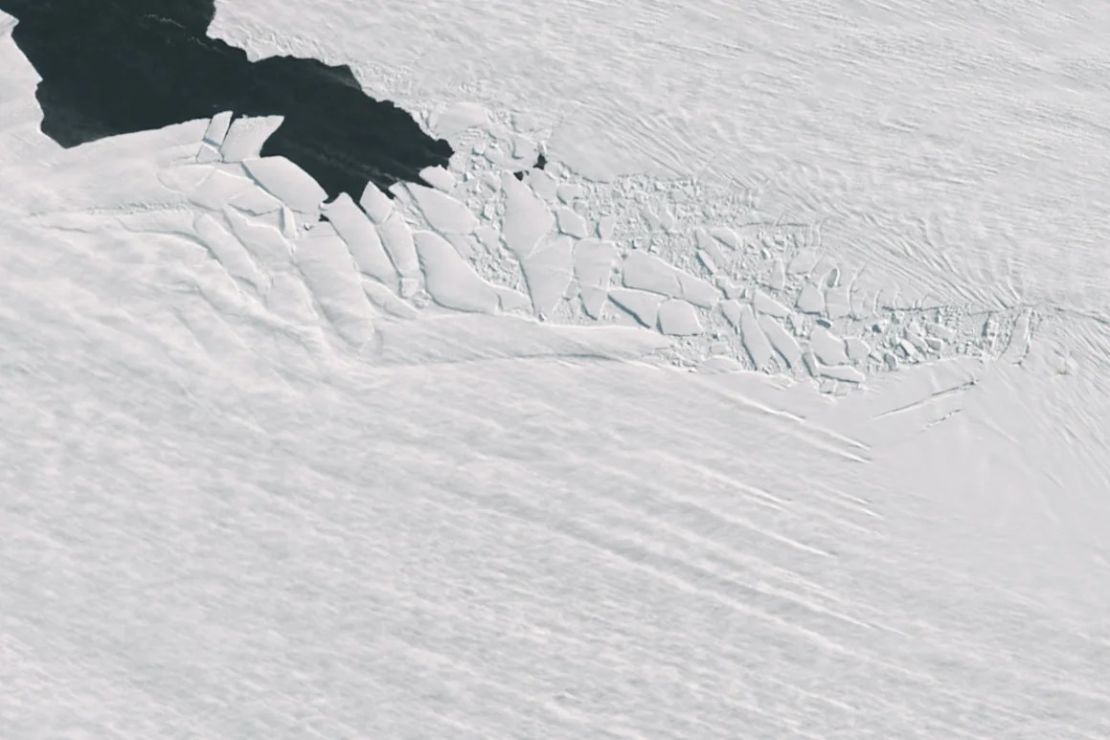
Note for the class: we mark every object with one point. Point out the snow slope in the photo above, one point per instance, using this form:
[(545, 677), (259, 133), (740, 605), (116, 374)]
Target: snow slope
[(267, 475), (953, 145)]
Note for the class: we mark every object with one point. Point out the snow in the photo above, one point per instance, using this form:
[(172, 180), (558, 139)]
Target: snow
[(570, 223), (438, 177), (647, 272), (783, 342), (287, 182), (207, 154), (443, 213), (568, 192), (777, 280), (256, 202), (323, 259), (730, 308), (706, 261), (640, 304), (811, 299), (838, 302), (512, 300), (708, 245), (843, 373), (256, 484), (217, 188), (549, 271), (870, 131), (185, 178), (265, 244), (828, 347), (803, 262), (856, 348), (726, 236), (375, 203), (217, 128), (466, 245), (763, 303), (644, 271), (698, 291), (605, 226), (527, 217), (245, 137), (397, 239), (456, 118), (678, 318), (756, 343), (543, 184), (450, 280), (228, 251), (388, 301), (593, 266)]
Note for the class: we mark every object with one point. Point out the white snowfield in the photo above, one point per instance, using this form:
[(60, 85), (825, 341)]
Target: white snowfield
[(604, 451)]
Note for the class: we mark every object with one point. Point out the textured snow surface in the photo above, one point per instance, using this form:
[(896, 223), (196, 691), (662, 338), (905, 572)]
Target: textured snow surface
[(813, 444)]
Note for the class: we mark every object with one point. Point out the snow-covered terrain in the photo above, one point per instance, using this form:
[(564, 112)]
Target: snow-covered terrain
[(775, 405)]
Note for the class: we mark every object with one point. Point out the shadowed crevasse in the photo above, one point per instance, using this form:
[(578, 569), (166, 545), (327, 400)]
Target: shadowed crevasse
[(113, 67)]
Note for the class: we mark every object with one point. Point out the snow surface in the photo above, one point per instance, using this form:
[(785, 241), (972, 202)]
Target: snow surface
[(811, 445)]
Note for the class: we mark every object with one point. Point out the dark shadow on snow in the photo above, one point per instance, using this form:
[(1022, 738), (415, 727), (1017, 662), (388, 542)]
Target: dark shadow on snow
[(119, 66)]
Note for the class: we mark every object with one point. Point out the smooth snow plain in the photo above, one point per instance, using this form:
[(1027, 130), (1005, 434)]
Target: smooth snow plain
[(774, 406)]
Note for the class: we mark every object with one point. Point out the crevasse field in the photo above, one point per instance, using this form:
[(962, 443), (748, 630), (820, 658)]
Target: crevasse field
[(775, 405)]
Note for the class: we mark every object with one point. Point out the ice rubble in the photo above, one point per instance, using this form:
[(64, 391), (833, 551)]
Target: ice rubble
[(479, 239)]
